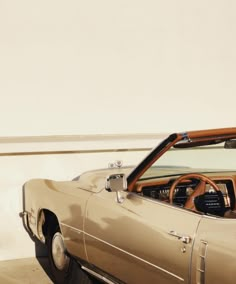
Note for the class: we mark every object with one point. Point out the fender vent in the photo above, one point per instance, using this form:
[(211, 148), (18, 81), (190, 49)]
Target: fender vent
[(201, 263)]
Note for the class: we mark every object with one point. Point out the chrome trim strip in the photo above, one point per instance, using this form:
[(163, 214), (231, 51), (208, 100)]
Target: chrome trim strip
[(97, 275), (130, 254), (134, 256)]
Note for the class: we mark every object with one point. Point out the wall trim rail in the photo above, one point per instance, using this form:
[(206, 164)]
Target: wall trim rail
[(77, 144), (72, 152), (74, 138)]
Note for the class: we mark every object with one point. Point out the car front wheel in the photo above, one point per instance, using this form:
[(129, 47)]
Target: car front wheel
[(63, 267)]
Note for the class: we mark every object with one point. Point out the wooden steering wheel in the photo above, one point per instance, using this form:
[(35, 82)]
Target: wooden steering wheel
[(199, 189)]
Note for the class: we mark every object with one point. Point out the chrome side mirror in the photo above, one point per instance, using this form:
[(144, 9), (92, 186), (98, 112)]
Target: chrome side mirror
[(116, 183)]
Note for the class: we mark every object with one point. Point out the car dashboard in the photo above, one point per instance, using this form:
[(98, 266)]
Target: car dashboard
[(159, 189)]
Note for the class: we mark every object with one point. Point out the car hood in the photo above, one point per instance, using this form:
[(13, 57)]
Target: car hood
[(95, 180)]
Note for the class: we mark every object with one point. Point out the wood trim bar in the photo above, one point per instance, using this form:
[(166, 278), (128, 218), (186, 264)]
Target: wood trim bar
[(212, 132)]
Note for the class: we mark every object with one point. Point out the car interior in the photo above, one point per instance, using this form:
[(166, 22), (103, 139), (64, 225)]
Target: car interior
[(207, 193)]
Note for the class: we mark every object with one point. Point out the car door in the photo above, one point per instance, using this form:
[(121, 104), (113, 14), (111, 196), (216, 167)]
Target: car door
[(139, 240), (214, 254)]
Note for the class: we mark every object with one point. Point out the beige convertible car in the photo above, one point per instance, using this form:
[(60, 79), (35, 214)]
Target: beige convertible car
[(169, 219)]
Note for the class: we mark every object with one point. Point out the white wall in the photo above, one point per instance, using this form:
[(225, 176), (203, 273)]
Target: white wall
[(94, 67), (103, 66)]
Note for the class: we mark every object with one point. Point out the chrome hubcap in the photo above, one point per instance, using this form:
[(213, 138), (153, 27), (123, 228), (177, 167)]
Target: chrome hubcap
[(61, 260)]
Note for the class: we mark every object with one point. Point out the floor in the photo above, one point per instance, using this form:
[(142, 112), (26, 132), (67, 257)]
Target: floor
[(25, 271), (30, 271)]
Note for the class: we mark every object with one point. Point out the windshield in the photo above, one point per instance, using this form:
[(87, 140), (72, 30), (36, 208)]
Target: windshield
[(203, 159)]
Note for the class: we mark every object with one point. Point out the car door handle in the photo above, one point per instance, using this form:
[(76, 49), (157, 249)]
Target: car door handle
[(183, 238)]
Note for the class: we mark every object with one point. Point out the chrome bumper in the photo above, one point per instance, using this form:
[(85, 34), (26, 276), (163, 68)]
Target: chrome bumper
[(25, 220)]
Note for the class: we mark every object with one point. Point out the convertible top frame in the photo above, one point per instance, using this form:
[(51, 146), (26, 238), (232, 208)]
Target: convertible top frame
[(204, 136)]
